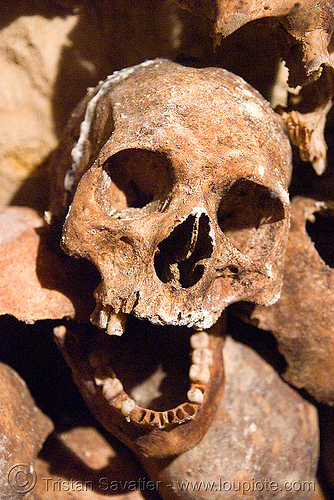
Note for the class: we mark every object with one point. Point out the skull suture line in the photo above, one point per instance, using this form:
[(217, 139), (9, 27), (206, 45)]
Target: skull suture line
[(183, 208)]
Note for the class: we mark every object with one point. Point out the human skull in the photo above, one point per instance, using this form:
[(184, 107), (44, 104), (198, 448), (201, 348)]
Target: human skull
[(183, 208)]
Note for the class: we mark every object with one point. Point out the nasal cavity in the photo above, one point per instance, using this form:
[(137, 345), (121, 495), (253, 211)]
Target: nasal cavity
[(180, 257)]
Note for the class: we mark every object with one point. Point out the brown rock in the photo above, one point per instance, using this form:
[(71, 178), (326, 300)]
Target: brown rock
[(23, 429), (36, 282), (50, 53)]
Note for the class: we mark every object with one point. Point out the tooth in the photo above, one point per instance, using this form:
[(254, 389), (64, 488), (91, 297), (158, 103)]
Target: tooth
[(60, 332), (127, 407), (199, 374), (202, 357), (111, 388), (138, 415), (116, 324), (99, 381), (200, 339), (195, 396), (118, 400), (103, 318), (48, 217)]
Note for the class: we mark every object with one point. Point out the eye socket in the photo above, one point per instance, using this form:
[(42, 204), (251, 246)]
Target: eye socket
[(246, 212), (133, 178)]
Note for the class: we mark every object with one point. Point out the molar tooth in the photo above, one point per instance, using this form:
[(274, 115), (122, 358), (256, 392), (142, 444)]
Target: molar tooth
[(138, 414), (195, 396), (200, 339), (202, 357), (116, 324), (199, 374), (117, 402), (111, 388), (127, 407)]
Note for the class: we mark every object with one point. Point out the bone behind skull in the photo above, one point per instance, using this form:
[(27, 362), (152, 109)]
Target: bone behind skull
[(183, 207)]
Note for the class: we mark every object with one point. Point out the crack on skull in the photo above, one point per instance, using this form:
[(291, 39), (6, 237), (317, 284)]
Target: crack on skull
[(180, 258)]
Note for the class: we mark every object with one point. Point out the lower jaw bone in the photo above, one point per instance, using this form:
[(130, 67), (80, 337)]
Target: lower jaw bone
[(147, 431), (199, 375)]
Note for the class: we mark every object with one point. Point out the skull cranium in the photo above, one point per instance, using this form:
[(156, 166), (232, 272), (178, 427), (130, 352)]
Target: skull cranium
[(185, 209)]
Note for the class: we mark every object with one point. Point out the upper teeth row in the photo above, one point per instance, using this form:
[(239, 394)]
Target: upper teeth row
[(106, 319)]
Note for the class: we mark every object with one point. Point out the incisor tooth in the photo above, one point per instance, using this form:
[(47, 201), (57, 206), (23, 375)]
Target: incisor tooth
[(111, 388), (195, 396), (60, 332), (103, 318), (127, 407), (116, 324), (200, 339), (199, 374), (202, 357)]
